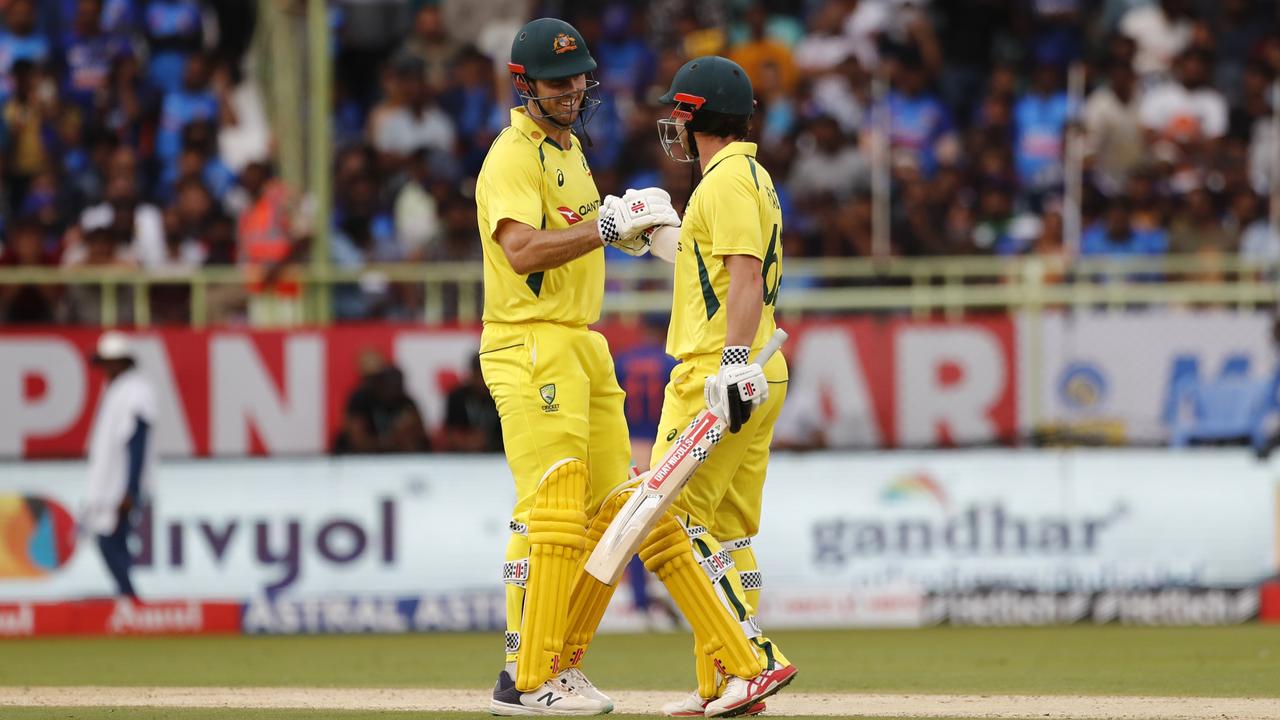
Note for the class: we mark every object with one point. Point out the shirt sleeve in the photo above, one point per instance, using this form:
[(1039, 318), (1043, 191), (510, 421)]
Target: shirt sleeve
[(733, 219), (514, 183)]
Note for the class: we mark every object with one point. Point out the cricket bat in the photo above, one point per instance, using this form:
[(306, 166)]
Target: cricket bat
[(660, 485)]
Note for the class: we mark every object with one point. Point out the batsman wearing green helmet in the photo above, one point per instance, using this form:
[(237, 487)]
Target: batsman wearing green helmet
[(728, 269), (543, 227)]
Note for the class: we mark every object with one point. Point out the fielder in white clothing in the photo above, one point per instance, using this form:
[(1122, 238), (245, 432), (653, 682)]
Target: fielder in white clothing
[(122, 455)]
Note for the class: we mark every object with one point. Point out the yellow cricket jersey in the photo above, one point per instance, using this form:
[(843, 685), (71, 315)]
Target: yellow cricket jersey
[(530, 179), (733, 211)]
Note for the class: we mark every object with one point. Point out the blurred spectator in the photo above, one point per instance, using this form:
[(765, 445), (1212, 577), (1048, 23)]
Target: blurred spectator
[(102, 249), (19, 42), (1113, 128), (1257, 239), (1116, 236), (27, 304), (363, 233), (1162, 30), (175, 32), (28, 122), (1196, 227), (431, 46), (459, 242), (893, 29), (643, 371), (627, 62), (417, 217), (761, 53), (196, 101), (88, 55), (471, 416), (1040, 116), (268, 250), (999, 229), (474, 111), (1183, 116), (825, 45), (409, 119), (920, 124), (381, 417), (826, 163), (139, 223)]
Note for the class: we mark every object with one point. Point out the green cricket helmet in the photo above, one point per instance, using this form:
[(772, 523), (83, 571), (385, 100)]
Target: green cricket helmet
[(550, 49), (703, 89)]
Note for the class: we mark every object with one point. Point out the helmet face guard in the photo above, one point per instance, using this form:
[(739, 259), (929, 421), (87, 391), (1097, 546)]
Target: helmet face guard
[(586, 107), (673, 131)]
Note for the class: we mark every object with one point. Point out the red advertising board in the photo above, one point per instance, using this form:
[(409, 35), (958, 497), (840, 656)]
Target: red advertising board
[(228, 393), (119, 617)]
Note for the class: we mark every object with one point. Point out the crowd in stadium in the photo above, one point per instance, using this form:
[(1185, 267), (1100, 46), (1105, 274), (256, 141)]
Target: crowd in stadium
[(132, 132)]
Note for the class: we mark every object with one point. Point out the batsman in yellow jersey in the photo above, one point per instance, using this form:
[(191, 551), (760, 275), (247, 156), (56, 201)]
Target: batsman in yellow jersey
[(727, 271), (543, 226)]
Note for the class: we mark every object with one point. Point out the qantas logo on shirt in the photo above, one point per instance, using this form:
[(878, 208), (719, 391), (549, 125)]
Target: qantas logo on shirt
[(570, 216)]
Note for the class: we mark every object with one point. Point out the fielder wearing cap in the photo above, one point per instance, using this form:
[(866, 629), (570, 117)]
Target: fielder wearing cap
[(122, 455)]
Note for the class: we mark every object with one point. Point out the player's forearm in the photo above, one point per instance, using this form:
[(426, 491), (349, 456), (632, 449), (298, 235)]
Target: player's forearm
[(531, 251), (744, 301)]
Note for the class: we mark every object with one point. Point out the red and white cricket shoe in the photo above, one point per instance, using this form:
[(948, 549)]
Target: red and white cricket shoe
[(694, 705), (742, 694)]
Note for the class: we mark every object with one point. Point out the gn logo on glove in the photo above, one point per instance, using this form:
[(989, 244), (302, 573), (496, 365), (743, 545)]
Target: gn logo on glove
[(548, 393), (637, 206)]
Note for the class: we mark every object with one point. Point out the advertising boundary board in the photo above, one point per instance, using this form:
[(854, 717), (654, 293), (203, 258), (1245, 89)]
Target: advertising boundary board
[(876, 539)]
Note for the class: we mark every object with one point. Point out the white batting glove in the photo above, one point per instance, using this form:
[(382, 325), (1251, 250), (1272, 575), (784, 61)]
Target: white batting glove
[(623, 220), (737, 389)]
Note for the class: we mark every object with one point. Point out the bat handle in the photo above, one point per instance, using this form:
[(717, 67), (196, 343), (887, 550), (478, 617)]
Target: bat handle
[(771, 347)]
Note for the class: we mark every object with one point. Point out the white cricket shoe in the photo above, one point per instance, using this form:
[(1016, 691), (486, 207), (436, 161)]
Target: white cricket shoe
[(576, 680), (694, 705), (741, 694), (549, 698)]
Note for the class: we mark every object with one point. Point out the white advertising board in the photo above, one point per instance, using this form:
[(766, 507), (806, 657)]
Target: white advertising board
[(1118, 369), (846, 539)]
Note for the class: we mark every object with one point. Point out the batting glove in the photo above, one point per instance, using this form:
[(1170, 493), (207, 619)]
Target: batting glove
[(623, 220), (737, 389)]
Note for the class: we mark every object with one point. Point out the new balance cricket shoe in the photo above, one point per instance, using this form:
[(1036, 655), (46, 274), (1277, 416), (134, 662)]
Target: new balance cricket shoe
[(741, 694), (694, 705), (550, 698), (576, 680)]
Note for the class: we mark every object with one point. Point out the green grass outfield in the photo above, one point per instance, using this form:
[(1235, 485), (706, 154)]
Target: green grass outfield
[(1241, 661)]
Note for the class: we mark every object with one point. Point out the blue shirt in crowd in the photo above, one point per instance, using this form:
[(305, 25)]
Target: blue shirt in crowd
[(88, 63), (173, 27), (1037, 151), (179, 110), (917, 124), (643, 372), (1096, 243)]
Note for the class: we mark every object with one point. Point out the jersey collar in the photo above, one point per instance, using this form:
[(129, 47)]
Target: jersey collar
[(529, 127), (733, 148)]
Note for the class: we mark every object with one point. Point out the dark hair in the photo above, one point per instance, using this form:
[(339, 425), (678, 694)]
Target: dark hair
[(720, 124)]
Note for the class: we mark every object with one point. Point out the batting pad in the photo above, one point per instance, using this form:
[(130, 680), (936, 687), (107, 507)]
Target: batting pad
[(669, 554), (590, 597), (704, 668), (557, 535)]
